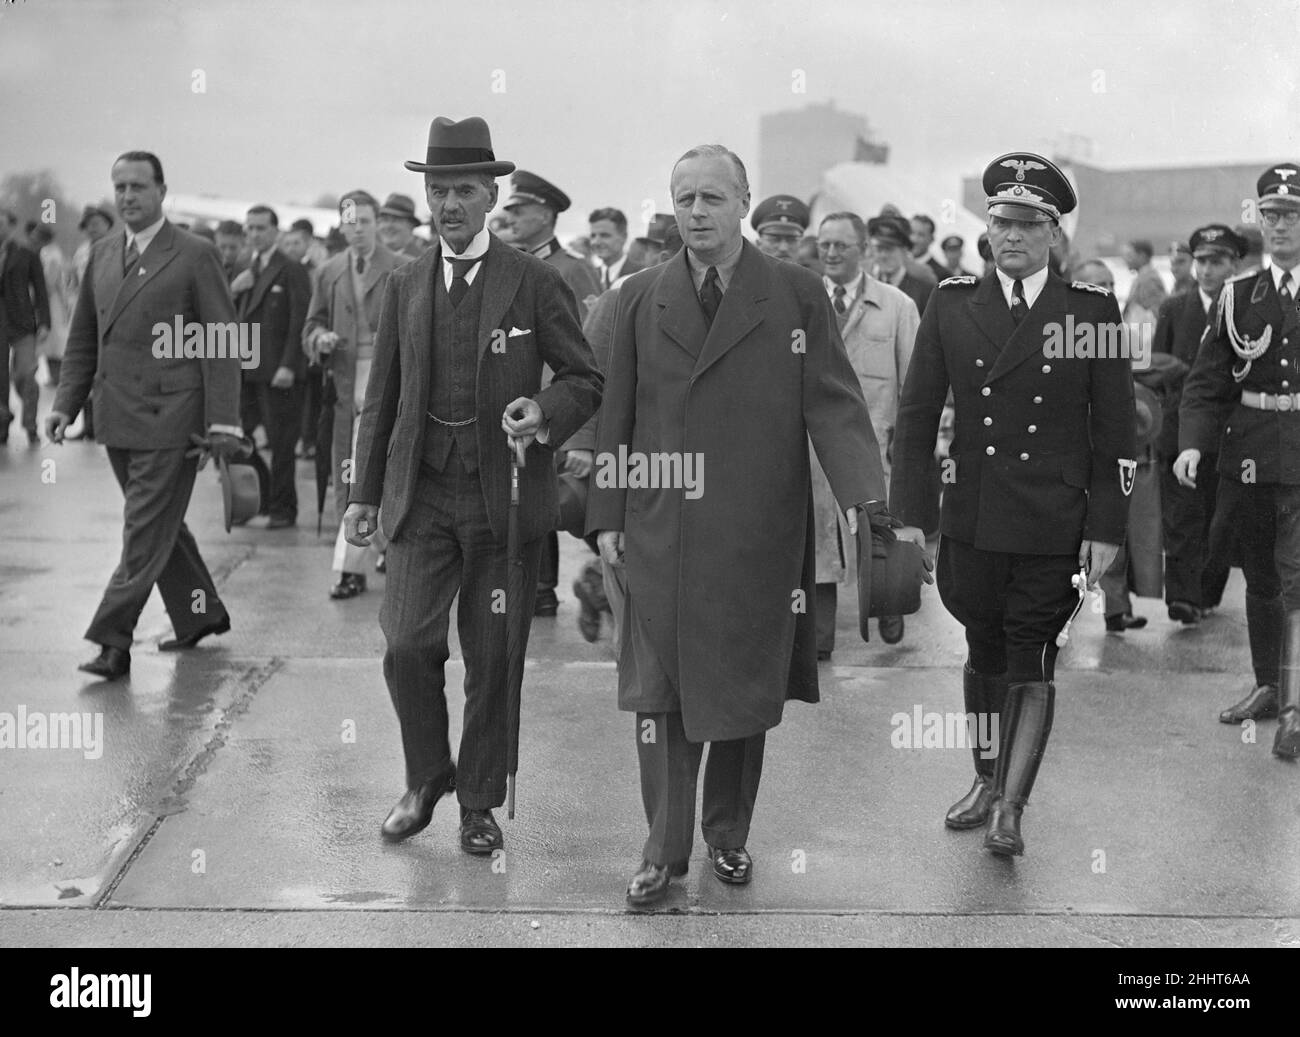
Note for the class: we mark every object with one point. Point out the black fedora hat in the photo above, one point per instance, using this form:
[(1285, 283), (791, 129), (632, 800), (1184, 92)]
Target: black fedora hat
[(890, 574), (460, 147)]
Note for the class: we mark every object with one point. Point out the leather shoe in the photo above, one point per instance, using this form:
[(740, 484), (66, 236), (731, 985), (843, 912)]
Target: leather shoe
[(1003, 836), (177, 643), (891, 629), (349, 586), (732, 866), (1127, 621), (110, 664), (414, 810), (547, 604), (1184, 612), (823, 655), (1260, 704), (650, 884), (972, 810), (590, 593), (479, 831)]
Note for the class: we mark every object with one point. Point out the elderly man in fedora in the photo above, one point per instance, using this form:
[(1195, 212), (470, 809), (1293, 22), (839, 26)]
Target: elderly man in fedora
[(397, 223), (462, 339)]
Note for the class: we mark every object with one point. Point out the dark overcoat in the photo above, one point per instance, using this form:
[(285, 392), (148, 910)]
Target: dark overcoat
[(720, 587)]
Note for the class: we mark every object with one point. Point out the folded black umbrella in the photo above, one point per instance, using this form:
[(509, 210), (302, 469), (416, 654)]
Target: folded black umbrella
[(324, 440)]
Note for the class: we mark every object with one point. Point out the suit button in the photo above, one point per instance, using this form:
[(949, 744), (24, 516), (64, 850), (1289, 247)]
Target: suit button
[(979, 363), (1038, 399), (1284, 363), (1033, 429), (988, 421), (986, 391), (1047, 369), (1024, 457), (990, 450), (1286, 385)]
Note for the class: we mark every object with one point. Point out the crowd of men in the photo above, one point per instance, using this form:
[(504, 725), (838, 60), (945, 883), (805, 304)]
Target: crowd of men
[(922, 407)]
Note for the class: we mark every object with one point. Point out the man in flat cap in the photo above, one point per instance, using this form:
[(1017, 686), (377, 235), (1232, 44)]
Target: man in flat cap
[(463, 335), (533, 205), (780, 222), (1243, 399), (726, 360), (397, 223), (1194, 576), (1037, 478), (952, 247), (890, 239)]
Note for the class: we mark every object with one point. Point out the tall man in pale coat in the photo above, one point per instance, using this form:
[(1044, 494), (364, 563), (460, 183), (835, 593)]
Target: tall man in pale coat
[(340, 329), (726, 355), (878, 325)]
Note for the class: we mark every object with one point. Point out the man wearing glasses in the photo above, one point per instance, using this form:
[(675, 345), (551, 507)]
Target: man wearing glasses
[(1243, 398)]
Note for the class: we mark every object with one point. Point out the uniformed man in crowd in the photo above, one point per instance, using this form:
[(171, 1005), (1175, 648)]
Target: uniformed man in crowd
[(533, 206), (1037, 475), (1194, 574), (780, 222), (1243, 398), (952, 247), (1180, 265)]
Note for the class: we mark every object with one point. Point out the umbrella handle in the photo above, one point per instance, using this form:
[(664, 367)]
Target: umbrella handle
[(510, 796)]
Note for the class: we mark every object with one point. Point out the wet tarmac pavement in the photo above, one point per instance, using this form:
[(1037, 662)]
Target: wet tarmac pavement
[(236, 795)]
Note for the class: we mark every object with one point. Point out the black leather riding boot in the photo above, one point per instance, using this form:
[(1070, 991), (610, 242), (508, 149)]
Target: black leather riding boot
[(985, 695), (1264, 617), (1286, 743), (1027, 723)]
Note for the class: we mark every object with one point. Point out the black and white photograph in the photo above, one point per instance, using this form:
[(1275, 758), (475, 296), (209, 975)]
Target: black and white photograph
[(661, 474)]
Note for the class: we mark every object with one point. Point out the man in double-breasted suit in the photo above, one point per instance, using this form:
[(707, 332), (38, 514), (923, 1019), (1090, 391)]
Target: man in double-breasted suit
[(272, 294), (150, 400), (464, 334), (724, 362), (1036, 479), (339, 334)]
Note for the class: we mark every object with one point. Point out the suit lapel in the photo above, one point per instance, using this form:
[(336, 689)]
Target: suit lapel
[(856, 312), (988, 310), (681, 318), (417, 333), (1027, 339), (253, 298), (161, 251), (108, 268), (502, 271)]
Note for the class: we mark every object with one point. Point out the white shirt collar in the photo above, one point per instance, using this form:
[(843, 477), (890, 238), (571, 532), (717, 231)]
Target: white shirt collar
[(1207, 303), (851, 290), (143, 238), (263, 256), (1033, 286), (616, 267), (478, 247), (1276, 271)]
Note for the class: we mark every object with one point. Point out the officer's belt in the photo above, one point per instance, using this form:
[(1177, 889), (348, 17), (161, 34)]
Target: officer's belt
[(1271, 401), (452, 424)]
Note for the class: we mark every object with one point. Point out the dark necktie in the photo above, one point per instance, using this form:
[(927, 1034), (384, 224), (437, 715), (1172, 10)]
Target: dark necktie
[(1286, 290), (361, 265), (840, 308), (256, 267), (711, 294), (1018, 305), (459, 286), (131, 259)]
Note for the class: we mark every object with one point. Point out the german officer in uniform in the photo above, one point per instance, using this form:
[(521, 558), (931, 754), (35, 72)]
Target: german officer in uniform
[(1194, 576), (780, 222), (1037, 475), (1242, 399)]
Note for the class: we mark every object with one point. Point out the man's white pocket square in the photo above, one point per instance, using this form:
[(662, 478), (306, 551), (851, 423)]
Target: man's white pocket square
[(519, 331)]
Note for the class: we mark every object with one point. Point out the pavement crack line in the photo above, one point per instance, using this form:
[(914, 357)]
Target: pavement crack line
[(252, 680)]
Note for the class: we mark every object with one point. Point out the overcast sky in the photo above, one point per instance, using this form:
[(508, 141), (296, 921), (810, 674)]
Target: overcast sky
[(302, 98)]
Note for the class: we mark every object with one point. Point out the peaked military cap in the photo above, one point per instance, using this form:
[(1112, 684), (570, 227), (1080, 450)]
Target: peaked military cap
[(1023, 186), (529, 188), (895, 230), (781, 210), (1215, 237), (1279, 186)]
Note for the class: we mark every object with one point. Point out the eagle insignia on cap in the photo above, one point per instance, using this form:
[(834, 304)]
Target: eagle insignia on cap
[(1088, 286), (783, 204), (1284, 173), (1211, 234), (1020, 165), (963, 279)]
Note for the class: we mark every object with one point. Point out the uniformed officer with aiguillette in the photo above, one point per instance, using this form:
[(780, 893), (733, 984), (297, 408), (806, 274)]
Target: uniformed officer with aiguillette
[(1243, 399), (1037, 477)]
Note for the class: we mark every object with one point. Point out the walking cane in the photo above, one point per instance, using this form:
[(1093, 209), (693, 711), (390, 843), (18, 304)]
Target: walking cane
[(514, 623)]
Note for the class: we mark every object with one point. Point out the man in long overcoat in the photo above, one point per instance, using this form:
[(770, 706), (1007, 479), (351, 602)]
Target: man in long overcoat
[(724, 362)]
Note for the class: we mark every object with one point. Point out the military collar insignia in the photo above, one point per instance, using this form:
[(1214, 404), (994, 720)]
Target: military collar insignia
[(1127, 474), (1088, 286), (962, 279)]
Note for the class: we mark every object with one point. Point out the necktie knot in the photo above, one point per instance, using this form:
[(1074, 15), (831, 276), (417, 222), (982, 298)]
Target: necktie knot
[(839, 299), (361, 264), (131, 258), (459, 286), (1286, 286), (461, 267), (1018, 305)]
